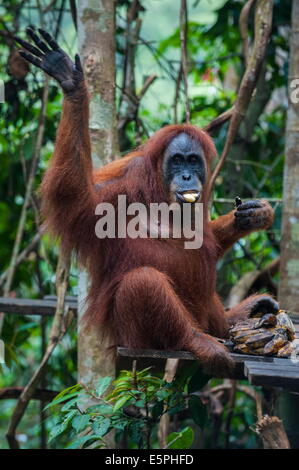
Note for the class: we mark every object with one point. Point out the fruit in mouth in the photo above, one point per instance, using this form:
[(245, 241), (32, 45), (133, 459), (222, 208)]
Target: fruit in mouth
[(188, 196)]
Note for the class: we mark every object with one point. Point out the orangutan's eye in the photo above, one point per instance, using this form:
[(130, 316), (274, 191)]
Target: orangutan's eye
[(193, 158), (177, 158)]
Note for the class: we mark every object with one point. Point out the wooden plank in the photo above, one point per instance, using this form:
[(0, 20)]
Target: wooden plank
[(31, 306), (159, 354), (157, 358), (289, 370), (259, 359), (279, 361), (155, 354), (259, 364), (286, 383), (68, 298), (272, 375)]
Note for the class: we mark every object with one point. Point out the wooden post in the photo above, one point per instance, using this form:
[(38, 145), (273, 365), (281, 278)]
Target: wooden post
[(96, 40), (288, 405)]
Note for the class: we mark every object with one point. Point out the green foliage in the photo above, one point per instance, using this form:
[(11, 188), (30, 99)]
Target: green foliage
[(134, 404), (133, 407), (181, 440)]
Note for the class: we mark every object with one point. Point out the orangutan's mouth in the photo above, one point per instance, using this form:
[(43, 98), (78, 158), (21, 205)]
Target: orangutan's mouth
[(188, 196)]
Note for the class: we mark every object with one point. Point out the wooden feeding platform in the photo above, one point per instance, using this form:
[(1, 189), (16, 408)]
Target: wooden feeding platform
[(42, 307), (258, 370)]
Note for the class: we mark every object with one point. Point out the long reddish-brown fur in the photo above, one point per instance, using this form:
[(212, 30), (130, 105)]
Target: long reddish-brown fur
[(147, 293)]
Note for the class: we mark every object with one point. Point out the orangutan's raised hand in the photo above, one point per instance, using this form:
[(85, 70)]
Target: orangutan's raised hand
[(50, 58)]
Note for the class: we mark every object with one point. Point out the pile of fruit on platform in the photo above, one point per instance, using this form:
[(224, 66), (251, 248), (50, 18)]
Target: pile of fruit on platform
[(264, 335)]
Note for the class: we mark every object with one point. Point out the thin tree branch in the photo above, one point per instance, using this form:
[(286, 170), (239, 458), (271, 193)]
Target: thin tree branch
[(176, 95), (49, 7), (147, 83), (163, 429), (184, 60), (243, 26), (60, 17), (39, 394), (219, 121), (259, 404), (73, 8), (231, 406)]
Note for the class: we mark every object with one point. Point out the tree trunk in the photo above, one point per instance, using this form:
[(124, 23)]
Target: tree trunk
[(289, 265), (96, 39), (96, 33)]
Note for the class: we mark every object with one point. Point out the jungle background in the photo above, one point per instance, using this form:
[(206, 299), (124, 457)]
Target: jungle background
[(158, 82)]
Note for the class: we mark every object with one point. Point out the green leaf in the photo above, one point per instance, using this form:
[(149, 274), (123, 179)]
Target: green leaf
[(70, 390), (82, 440), (70, 415), (101, 426), (143, 372), (58, 429), (120, 424), (198, 381), (80, 422), (103, 384), (181, 440), (69, 404), (66, 394), (27, 326), (60, 400), (105, 409), (140, 403), (121, 402), (198, 411)]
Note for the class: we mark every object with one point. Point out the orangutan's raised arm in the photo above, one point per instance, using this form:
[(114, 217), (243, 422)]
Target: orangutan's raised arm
[(68, 198)]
